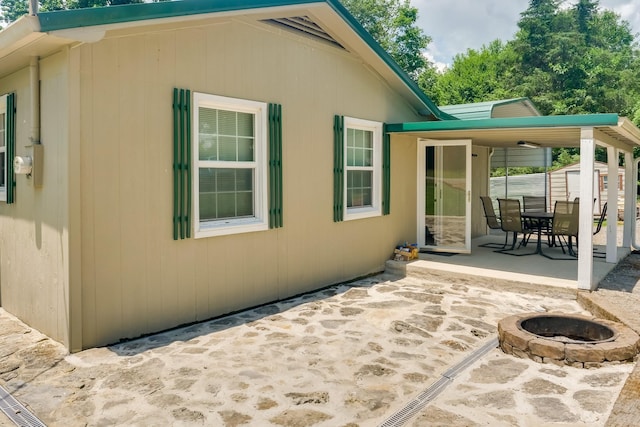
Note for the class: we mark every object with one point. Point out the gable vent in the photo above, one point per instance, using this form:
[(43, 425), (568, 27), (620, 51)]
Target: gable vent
[(305, 26)]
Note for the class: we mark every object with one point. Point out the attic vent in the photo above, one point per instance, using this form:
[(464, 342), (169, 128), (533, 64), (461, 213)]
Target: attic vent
[(304, 25)]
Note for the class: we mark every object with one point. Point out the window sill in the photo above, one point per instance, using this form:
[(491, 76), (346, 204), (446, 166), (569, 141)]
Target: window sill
[(225, 228), (361, 213)]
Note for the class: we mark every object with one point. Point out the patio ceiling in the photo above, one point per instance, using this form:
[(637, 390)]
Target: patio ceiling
[(547, 131)]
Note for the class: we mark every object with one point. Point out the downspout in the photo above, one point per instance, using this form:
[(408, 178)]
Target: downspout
[(33, 7), (37, 150), (34, 86)]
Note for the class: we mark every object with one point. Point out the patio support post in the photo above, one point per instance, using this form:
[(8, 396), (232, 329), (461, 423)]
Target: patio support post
[(585, 223), (630, 188), (612, 203)]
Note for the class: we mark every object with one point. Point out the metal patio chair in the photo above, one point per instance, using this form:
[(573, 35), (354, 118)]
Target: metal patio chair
[(601, 218), (492, 222), (564, 226), (536, 204), (511, 222)]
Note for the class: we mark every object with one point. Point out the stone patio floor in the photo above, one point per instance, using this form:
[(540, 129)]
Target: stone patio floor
[(349, 355)]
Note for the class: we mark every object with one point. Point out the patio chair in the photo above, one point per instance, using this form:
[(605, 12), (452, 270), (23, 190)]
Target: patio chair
[(603, 215), (601, 218), (536, 204), (511, 222), (492, 222), (564, 226)]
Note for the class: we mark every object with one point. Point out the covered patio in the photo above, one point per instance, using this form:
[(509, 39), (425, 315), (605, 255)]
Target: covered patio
[(485, 267), (616, 134)]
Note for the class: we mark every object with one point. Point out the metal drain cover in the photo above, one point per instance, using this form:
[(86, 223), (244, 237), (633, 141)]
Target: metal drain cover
[(17, 412)]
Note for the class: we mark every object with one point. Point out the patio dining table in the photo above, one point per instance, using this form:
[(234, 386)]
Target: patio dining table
[(540, 219)]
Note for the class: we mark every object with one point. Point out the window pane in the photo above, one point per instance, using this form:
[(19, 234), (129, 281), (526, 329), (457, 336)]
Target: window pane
[(245, 149), (227, 122), (208, 207), (245, 124), (366, 197), (244, 179), (2, 171), (208, 121), (226, 193), (226, 205), (368, 158), (367, 139), (359, 157), (359, 188), (359, 138), (245, 204), (208, 149), (228, 147), (2, 130), (207, 180), (359, 147), (226, 179)]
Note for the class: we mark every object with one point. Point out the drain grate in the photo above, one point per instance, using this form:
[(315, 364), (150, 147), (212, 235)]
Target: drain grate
[(419, 402), (17, 412)]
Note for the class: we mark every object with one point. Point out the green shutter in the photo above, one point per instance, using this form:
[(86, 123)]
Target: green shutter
[(11, 147), (275, 166), (386, 172), (338, 168), (181, 164)]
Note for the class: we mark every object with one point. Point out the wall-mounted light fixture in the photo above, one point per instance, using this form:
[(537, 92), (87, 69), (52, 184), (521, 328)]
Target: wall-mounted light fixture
[(527, 144)]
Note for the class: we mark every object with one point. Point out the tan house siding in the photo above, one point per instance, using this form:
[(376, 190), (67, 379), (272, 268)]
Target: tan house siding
[(479, 187), (33, 232), (135, 277)]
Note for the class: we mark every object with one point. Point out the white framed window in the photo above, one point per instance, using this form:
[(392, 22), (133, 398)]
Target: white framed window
[(229, 165), (3, 148), (363, 168)]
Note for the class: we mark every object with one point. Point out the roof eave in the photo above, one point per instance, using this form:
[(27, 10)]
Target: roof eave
[(91, 24), (586, 120), (19, 33)]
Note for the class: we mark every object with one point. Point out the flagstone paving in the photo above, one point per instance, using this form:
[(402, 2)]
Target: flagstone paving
[(349, 355)]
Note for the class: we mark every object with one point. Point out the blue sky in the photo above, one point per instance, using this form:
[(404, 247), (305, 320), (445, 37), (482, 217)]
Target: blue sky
[(458, 25)]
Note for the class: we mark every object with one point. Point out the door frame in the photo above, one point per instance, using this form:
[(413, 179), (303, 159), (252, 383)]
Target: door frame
[(420, 214)]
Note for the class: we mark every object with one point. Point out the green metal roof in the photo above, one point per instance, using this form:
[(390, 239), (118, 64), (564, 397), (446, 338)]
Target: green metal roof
[(610, 119), (516, 107), (99, 16), (545, 131)]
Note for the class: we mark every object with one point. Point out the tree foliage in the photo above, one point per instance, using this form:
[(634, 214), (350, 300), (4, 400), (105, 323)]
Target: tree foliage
[(392, 23), (575, 60)]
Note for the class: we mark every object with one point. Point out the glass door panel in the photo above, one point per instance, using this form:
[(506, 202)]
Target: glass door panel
[(444, 190)]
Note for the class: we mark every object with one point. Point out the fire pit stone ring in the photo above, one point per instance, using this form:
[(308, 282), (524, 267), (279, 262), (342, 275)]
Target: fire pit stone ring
[(579, 341)]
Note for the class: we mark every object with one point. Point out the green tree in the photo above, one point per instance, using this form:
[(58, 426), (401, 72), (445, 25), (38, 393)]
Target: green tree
[(13, 9), (475, 76), (392, 23)]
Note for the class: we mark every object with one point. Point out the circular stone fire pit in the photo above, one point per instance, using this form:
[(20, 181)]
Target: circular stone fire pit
[(567, 339)]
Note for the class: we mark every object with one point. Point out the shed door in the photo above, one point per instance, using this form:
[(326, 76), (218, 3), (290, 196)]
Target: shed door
[(444, 195)]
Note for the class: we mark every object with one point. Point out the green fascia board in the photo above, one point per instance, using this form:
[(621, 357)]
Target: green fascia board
[(77, 18), (586, 120), (93, 16)]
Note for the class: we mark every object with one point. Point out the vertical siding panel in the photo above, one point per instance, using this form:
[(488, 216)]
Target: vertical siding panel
[(192, 279), (134, 188), (160, 262), (190, 73), (106, 188), (87, 202)]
